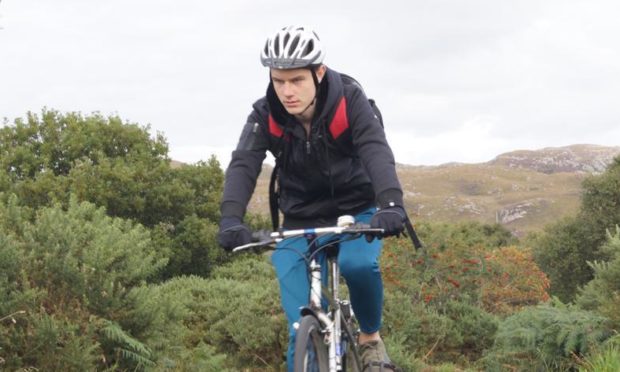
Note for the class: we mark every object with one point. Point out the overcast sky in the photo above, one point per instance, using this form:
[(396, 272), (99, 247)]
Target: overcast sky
[(455, 80)]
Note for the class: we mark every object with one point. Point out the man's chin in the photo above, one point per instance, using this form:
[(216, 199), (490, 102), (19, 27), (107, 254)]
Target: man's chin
[(293, 110)]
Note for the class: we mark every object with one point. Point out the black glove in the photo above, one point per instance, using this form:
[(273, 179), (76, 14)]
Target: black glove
[(390, 219), (233, 233)]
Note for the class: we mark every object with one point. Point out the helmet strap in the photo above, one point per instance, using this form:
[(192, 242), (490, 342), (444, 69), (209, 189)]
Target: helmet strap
[(315, 78)]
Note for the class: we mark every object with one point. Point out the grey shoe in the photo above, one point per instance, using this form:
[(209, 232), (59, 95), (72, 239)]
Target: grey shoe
[(375, 358)]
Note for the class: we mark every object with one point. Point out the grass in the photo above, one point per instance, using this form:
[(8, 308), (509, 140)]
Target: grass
[(606, 361)]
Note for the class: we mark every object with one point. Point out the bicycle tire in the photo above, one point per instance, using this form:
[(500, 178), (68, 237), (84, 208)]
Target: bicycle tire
[(310, 350)]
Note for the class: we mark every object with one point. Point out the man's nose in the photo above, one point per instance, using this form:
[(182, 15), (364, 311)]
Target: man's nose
[(287, 89)]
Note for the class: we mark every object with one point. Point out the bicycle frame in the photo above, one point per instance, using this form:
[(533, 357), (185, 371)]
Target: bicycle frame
[(330, 322)]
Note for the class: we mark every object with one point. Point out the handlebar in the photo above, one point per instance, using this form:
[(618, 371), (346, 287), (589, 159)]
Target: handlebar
[(263, 238)]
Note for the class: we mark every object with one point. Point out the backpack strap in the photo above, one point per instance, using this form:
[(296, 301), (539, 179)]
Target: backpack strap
[(274, 197), (280, 134)]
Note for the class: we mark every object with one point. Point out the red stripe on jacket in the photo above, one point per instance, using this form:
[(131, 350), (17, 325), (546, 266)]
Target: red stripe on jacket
[(340, 122), (274, 128)]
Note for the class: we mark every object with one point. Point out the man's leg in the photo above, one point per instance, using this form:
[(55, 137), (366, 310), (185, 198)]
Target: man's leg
[(359, 264), (294, 287)]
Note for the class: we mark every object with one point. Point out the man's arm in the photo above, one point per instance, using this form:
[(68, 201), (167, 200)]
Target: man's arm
[(375, 153), (241, 175), (244, 168)]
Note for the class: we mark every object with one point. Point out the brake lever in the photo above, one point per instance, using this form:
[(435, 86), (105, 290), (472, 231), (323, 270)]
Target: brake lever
[(260, 244)]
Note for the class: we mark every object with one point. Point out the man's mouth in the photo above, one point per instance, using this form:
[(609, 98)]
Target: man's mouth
[(291, 103)]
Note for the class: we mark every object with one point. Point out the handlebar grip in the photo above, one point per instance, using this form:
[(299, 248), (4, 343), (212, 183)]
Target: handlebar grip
[(375, 232)]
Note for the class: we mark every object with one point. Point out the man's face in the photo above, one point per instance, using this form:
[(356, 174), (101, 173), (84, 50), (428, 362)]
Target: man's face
[(295, 88)]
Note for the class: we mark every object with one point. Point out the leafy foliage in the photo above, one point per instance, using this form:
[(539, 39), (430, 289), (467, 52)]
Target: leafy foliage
[(546, 337), (236, 313), (606, 358), (53, 157), (566, 247), (513, 281), (602, 294), (69, 276), (466, 263)]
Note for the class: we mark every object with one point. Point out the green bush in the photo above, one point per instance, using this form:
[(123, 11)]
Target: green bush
[(436, 299), (560, 252), (75, 281), (602, 294), (237, 312), (566, 247), (546, 337), (50, 158)]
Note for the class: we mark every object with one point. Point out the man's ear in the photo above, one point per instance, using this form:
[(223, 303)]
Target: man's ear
[(320, 72)]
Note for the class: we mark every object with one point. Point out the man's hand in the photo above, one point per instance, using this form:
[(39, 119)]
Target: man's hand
[(390, 219), (233, 233)]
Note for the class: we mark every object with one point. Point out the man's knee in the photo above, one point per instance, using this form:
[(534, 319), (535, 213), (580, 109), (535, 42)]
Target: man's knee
[(358, 266)]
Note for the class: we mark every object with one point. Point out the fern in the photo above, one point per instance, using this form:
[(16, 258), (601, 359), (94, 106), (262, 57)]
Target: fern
[(127, 347), (547, 336)]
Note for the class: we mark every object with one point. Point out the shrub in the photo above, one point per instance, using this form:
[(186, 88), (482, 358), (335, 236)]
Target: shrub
[(566, 247), (602, 294), (75, 281), (513, 281), (236, 313), (550, 336), (51, 157)]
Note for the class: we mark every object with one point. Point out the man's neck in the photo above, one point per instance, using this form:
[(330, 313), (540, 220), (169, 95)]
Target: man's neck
[(306, 118)]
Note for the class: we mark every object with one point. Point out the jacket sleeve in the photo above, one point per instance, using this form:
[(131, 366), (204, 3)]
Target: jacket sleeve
[(244, 168), (372, 147)]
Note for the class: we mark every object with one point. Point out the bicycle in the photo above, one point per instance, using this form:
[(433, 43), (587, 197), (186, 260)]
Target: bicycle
[(326, 339)]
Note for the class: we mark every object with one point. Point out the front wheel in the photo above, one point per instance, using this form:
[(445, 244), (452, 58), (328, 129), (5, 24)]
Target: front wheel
[(310, 350)]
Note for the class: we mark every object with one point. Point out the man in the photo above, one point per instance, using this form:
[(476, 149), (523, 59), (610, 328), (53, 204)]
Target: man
[(333, 159)]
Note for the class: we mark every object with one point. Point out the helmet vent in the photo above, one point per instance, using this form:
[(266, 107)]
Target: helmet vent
[(276, 46), (294, 43), (309, 48)]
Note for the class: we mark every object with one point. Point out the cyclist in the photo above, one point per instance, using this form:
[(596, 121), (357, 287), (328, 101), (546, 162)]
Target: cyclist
[(333, 160)]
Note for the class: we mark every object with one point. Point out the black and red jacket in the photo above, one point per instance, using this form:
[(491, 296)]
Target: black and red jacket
[(344, 166)]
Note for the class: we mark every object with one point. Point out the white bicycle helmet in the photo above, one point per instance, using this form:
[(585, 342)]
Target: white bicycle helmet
[(292, 47)]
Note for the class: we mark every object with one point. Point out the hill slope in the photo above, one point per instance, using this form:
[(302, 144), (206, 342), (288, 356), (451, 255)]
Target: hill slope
[(523, 190)]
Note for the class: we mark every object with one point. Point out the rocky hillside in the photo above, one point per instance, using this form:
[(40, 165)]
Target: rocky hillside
[(523, 190), (576, 158)]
